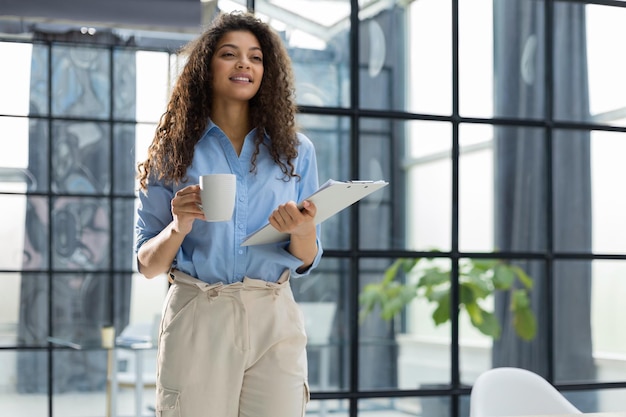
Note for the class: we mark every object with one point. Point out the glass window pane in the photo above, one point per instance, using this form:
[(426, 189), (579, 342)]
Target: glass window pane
[(571, 63), (24, 383), (573, 192), (323, 298), (429, 57), (79, 378), (316, 39), (502, 315), (515, 314), (520, 205), (81, 82), (519, 67), (23, 155), (14, 156), (400, 345), (32, 323), (81, 305), (81, 233), (125, 153), (596, 43), (427, 175), (588, 317), (32, 232), (608, 204), (231, 5), (377, 139), (331, 137), (320, 80), (147, 297), (383, 66), (124, 212), (426, 406), (608, 400), (388, 407), (476, 192), (125, 83), (476, 51), (9, 311), (326, 408), (152, 84), (81, 154), (15, 80), (27, 249), (143, 135), (24, 83), (589, 209)]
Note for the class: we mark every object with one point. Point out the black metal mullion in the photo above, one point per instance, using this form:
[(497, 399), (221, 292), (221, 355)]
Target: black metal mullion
[(50, 349), (111, 275), (354, 215), (549, 129), (454, 276)]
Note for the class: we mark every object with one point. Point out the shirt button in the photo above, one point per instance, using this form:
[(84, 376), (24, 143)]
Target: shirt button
[(241, 199), (241, 225), (240, 252)]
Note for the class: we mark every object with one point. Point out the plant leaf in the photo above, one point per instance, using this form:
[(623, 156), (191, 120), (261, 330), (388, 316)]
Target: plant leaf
[(392, 271), (524, 321), (409, 263), (433, 277), (475, 313), (525, 324), (483, 265), (526, 280), (442, 312), (489, 325), (503, 276)]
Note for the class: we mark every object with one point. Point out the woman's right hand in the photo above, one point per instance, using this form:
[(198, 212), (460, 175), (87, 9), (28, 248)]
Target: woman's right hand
[(186, 207)]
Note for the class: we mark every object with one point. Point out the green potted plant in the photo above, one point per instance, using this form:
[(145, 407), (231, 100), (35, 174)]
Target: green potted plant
[(478, 280)]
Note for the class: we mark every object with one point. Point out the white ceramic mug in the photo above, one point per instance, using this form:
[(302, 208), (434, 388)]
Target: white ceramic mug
[(218, 196)]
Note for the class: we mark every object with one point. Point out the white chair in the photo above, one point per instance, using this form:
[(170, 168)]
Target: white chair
[(502, 392)]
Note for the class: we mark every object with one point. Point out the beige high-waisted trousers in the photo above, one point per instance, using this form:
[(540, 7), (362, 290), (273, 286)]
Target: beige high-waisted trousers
[(234, 350)]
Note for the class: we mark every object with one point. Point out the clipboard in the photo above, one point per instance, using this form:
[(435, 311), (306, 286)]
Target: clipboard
[(332, 197)]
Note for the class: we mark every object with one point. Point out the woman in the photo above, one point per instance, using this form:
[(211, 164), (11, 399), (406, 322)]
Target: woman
[(231, 339)]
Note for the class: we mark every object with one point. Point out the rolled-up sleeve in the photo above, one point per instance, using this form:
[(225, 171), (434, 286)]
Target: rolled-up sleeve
[(153, 213)]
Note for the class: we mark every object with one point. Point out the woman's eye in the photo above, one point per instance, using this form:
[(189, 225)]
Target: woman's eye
[(257, 58)]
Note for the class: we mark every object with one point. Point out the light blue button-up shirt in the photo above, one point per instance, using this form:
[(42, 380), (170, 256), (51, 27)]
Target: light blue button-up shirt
[(212, 251)]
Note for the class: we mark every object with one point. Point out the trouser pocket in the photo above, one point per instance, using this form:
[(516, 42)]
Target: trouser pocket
[(167, 402), (306, 397)]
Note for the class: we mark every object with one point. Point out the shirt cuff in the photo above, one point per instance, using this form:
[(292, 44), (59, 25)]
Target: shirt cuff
[(297, 263)]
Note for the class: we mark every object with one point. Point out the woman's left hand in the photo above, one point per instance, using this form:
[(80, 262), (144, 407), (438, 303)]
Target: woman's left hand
[(288, 218)]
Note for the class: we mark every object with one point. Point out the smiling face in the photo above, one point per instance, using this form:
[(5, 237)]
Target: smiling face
[(237, 67)]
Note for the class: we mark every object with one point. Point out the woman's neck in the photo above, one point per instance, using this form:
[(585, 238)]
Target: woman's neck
[(234, 122)]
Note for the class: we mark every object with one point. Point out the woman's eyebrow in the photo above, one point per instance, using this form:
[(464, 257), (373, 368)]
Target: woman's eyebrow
[(230, 45)]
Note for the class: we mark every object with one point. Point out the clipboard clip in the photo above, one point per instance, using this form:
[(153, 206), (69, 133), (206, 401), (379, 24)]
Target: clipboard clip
[(360, 182)]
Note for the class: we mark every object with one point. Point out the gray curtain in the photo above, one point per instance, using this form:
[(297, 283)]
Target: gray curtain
[(76, 297), (522, 185)]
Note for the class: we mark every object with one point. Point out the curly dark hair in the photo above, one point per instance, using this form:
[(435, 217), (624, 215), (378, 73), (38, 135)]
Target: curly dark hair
[(272, 109)]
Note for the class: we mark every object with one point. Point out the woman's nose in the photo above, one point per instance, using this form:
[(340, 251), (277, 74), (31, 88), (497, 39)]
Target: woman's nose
[(243, 64)]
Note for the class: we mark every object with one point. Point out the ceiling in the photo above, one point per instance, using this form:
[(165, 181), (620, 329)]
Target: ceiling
[(157, 22), (179, 15)]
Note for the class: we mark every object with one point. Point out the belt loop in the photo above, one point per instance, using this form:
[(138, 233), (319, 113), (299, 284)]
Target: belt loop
[(284, 277), (170, 275)]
